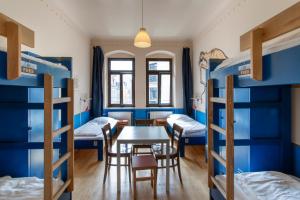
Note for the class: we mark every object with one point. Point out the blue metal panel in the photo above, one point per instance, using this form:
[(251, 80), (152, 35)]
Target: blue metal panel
[(265, 123), (297, 160), (85, 117), (265, 158)]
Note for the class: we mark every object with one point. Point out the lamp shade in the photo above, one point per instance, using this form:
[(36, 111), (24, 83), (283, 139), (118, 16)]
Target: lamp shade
[(142, 39)]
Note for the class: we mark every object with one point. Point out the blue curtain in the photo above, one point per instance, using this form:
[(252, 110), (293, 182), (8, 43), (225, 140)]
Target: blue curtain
[(97, 90), (187, 78)]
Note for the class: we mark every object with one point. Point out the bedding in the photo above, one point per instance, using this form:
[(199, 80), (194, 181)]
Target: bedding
[(264, 185), (25, 188), (191, 128), (93, 128), (283, 42)]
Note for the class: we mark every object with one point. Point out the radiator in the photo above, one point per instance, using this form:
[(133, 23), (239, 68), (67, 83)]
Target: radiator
[(121, 115), (159, 114)]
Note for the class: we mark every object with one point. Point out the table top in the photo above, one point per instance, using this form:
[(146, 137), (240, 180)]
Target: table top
[(143, 133)]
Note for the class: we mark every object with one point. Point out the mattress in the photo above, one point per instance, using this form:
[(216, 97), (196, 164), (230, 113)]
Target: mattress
[(264, 185), (283, 42), (25, 188), (191, 128), (93, 129)]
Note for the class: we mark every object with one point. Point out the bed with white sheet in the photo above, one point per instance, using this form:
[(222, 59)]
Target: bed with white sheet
[(191, 127), (263, 185), (89, 135), (193, 131), (25, 188)]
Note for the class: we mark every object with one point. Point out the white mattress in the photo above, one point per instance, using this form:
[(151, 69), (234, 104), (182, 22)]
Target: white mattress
[(286, 41), (191, 128), (26, 188), (264, 185), (93, 128)]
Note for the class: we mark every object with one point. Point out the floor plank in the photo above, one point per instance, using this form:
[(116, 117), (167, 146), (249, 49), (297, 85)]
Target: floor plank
[(89, 176)]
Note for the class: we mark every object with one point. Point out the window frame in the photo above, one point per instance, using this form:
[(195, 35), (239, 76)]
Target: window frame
[(121, 73), (159, 73)]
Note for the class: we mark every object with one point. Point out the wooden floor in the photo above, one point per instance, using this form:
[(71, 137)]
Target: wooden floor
[(89, 178)]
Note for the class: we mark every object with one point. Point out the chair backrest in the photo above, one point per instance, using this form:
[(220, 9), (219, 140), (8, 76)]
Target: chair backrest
[(144, 122), (107, 135), (176, 136)]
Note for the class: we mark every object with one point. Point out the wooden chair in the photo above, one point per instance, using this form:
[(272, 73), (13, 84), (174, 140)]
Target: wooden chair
[(111, 152), (136, 147), (144, 162), (160, 154)]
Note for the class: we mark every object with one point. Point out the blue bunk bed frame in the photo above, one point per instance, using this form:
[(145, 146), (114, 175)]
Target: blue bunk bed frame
[(21, 128), (271, 97)]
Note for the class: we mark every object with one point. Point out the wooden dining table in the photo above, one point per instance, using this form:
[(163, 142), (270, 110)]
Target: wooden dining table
[(143, 135)]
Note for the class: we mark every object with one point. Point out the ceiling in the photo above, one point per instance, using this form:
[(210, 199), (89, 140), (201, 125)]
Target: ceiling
[(121, 19)]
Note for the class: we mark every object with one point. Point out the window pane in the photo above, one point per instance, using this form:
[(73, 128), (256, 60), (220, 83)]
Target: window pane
[(153, 89), (165, 88), (159, 65), (127, 89), (121, 65), (115, 89)]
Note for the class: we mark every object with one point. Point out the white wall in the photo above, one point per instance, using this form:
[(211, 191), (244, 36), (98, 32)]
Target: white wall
[(54, 36), (160, 49), (225, 32)]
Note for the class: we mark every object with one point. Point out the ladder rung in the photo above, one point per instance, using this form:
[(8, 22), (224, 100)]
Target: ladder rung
[(219, 158), (60, 161), (218, 129), (218, 100), (62, 189), (60, 131), (61, 100), (220, 188)]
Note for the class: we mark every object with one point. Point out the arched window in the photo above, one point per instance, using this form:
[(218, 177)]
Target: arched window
[(159, 82), (121, 81)]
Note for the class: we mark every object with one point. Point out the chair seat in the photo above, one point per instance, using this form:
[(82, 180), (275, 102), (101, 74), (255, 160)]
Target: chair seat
[(143, 162), (125, 150), (161, 152)]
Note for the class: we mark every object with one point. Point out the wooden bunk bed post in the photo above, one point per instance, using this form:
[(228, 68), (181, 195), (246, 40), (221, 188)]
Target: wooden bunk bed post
[(48, 143), (229, 138), (70, 148), (14, 39), (228, 193), (256, 54), (210, 132)]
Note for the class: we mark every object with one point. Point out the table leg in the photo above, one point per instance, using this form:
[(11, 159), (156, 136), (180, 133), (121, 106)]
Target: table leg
[(118, 168), (168, 167)]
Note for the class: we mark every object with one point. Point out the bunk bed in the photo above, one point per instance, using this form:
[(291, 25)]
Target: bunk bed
[(89, 135), (249, 114), (193, 131), (36, 129)]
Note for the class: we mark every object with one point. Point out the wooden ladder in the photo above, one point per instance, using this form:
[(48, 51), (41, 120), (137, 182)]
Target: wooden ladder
[(228, 133), (49, 135)]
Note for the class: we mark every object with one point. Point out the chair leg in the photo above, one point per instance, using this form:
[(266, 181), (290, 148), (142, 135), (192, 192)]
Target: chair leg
[(129, 168), (152, 180), (155, 182), (179, 170), (105, 171), (134, 184), (173, 165), (109, 162)]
